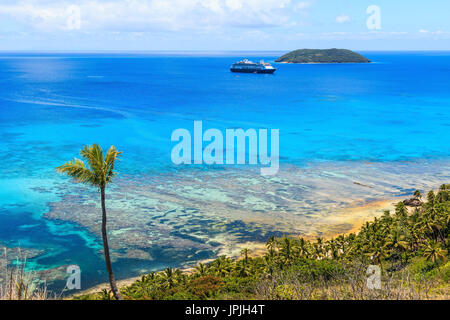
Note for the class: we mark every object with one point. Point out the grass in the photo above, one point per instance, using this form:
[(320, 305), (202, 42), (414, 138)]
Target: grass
[(18, 284)]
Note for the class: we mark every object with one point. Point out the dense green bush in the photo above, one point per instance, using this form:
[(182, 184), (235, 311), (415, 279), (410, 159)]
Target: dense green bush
[(325, 269)]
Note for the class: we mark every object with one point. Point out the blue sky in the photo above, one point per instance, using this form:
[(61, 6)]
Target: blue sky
[(89, 25)]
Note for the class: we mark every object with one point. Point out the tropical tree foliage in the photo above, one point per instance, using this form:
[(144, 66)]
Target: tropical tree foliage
[(408, 239), (98, 171)]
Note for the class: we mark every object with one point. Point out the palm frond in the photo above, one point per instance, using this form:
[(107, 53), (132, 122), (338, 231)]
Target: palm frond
[(94, 157), (111, 156), (78, 170), (97, 170)]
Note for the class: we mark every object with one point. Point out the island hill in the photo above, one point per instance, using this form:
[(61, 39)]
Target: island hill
[(322, 56)]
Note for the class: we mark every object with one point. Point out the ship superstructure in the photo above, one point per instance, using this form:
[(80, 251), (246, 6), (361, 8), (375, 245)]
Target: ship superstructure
[(247, 66)]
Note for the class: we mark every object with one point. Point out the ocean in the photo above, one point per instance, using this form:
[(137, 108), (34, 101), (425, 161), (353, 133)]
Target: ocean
[(385, 125)]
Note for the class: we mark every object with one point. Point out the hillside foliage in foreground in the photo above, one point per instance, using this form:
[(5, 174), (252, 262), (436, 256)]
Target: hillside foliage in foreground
[(411, 247)]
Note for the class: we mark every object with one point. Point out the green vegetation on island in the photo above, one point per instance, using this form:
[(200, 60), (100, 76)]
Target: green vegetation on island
[(410, 246), (322, 56)]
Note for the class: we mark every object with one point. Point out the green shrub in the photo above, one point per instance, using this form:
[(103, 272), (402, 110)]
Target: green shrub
[(318, 269), (444, 272), (420, 268), (205, 287)]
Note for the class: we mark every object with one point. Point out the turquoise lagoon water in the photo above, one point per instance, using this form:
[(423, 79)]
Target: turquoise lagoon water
[(390, 111)]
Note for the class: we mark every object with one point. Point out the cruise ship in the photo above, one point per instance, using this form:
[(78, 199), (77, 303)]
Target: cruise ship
[(247, 66)]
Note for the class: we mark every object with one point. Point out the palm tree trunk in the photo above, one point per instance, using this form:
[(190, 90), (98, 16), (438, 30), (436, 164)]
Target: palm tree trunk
[(112, 281)]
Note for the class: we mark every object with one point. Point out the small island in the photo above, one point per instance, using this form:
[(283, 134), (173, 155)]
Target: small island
[(322, 56)]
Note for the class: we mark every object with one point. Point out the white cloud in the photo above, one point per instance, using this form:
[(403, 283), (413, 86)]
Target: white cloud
[(234, 4), (147, 15), (49, 17), (343, 35), (342, 18), (301, 6), (437, 32)]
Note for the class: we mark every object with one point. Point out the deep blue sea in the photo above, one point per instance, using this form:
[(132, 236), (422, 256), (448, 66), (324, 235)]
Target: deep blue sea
[(394, 109)]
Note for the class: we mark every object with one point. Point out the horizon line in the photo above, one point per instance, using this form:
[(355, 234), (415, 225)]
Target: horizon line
[(201, 51)]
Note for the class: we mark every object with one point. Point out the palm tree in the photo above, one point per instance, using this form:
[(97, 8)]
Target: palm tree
[(400, 210), (269, 266), (98, 172), (332, 247), (396, 242), (286, 248), (180, 276), (222, 266), (169, 277), (271, 243), (303, 248), (431, 197), (417, 194), (341, 241), (377, 254), (201, 269), (244, 253), (442, 196), (386, 217), (434, 252)]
